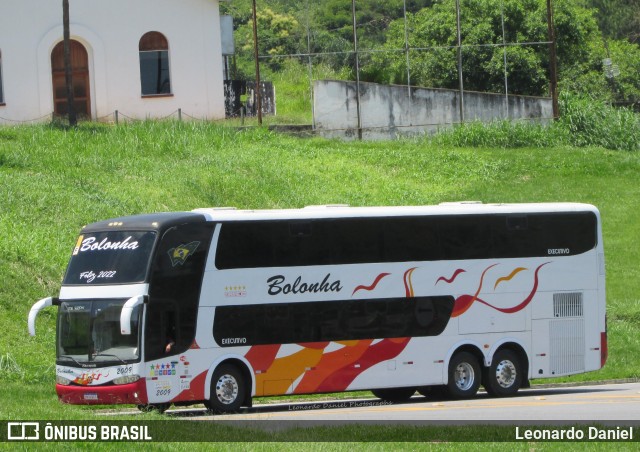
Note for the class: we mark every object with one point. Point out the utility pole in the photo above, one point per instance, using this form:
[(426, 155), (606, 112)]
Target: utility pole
[(71, 109), (357, 63), (255, 55), (553, 68), (460, 78)]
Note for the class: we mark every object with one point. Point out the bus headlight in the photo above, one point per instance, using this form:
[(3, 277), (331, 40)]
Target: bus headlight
[(62, 381), (126, 380)]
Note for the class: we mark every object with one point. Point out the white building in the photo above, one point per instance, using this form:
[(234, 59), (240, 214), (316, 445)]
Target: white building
[(142, 58)]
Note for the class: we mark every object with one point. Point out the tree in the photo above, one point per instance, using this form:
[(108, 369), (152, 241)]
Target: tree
[(431, 30), (434, 30), (618, 19), (277, 33), (322, 27), (590, 77), (372, 18)]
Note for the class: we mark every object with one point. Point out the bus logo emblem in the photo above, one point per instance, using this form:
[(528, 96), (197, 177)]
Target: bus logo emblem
[(23, 431), (179, 254)]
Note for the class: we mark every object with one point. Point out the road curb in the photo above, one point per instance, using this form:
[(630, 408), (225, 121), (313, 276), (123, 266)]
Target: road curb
[(584, 383)]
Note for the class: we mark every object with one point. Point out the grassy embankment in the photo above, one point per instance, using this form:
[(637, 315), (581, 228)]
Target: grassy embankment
[(53, 181)]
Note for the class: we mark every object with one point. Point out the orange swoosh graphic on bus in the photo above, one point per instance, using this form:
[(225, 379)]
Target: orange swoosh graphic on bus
[(316, 370), (464, 302), (526, 301), (284, 371), (453, 277), (408, 285), (262, 356), (373, 284), (311, 369), (329, 365), (374, 354), (510, 277)]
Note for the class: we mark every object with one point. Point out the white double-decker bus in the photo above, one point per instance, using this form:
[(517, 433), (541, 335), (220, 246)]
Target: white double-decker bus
[(221, 305)]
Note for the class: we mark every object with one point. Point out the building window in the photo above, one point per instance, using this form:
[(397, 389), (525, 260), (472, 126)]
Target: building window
[(1, 90), (154, 64)]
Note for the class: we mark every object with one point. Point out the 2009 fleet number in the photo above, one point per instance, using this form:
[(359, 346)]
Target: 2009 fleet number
[(125, 370), (161, 392)]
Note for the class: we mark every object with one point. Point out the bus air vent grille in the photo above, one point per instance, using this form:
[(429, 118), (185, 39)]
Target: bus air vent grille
[(567, 346), (567, 304)]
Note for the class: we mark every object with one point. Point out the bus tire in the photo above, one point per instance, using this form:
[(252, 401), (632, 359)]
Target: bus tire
[(464, 376), (503, 377), (394, 395), (228, 389)]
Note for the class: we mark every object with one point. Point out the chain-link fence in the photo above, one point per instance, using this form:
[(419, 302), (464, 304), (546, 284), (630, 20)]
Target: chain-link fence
[(503, 47)]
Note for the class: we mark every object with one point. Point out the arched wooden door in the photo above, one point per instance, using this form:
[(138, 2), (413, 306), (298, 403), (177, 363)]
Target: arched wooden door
[(80, 78)]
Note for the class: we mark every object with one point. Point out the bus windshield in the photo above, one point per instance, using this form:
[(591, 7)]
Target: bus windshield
[(112, 257), (89, 332)]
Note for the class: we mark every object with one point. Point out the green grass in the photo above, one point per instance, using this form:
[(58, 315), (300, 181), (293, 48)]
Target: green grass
[(53, 181)]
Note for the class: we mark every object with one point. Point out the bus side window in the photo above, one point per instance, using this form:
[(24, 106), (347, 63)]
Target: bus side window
[(174, 291), (465, 239), (161, 329), (424, 312), (357, 319), (328, 320), (170, 332)]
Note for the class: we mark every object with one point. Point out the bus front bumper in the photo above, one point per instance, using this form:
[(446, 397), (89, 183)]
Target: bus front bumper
[(132, 393)]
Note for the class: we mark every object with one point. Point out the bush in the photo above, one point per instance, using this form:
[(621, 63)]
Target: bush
[(583, 122), (593, 123), (502, 134)]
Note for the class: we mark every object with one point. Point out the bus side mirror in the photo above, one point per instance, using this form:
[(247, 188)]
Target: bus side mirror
[(127, 312), (37, 307)]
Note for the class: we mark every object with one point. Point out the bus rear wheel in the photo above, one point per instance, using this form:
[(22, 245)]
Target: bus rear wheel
[(503, 377), (464, 376), (227, 390), (394, 395)]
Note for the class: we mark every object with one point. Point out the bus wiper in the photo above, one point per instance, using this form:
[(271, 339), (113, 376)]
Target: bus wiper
[(71, 358), (109, 354)]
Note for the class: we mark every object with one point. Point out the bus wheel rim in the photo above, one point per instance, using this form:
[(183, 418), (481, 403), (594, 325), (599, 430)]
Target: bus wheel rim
[(464, 376), (227, 389), (506, 373)]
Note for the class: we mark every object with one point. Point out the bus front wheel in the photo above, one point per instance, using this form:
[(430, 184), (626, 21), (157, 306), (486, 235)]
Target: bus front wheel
[(504, 377), (227, 389), (464, 376)]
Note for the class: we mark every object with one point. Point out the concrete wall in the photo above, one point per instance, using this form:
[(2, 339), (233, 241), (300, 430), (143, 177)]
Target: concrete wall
[(391, 111), (110, 31)]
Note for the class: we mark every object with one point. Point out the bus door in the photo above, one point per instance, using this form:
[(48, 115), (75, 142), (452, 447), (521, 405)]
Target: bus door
[(171, 312)]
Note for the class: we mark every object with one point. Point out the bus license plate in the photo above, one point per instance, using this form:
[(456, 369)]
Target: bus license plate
[(91, 396)]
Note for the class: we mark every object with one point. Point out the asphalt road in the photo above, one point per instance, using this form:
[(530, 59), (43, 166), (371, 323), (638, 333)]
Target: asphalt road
[(609, 403)]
